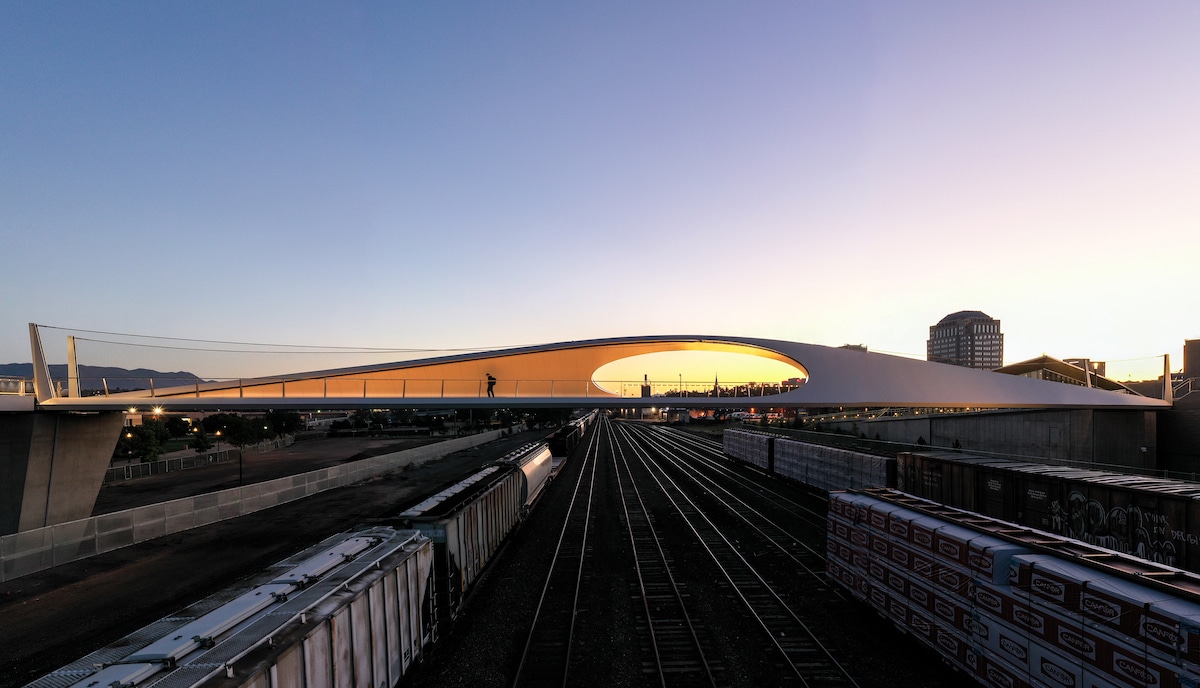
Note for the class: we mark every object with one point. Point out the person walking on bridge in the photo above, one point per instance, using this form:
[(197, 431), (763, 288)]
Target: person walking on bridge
[(491, 385)]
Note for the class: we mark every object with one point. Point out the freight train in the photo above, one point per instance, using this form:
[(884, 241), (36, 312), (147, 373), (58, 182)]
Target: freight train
[(468, 521), (1156, 519), (1015, 607), (352, 610), (358, 609), (1152, 518), (821, 467), (565, 439)]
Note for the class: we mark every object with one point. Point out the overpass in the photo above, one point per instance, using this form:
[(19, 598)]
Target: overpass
[(54, 447)]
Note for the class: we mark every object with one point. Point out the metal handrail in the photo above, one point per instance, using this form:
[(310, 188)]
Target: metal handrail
[(294, 387)]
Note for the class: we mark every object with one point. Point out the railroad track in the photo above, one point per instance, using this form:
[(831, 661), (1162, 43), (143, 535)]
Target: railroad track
[(710, 455), (546, 658), (758, 508), (804, 659), (676, 655)]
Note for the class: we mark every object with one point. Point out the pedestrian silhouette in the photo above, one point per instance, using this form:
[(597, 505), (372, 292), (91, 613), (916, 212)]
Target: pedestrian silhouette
[(491, 385)]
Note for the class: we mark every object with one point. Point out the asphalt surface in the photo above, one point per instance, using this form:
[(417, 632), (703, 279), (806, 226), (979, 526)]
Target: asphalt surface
[(53, 617)]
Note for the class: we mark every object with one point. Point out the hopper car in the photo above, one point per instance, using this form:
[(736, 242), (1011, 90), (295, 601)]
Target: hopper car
[(361, 595), (468, 521)]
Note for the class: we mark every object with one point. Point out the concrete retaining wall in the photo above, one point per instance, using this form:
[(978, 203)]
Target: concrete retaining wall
[(42, 548)]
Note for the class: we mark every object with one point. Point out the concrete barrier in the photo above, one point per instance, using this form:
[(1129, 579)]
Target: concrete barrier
[(42, 548)]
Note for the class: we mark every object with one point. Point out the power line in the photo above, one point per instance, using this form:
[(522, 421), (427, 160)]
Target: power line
[(329, 349), (325, 352)]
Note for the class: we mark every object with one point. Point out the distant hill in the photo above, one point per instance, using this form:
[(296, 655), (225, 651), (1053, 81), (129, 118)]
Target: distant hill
[(92, 378)]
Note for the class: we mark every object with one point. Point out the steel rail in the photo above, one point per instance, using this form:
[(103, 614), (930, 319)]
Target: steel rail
[(547, 656), (759, 522), (809, 660), (721, 464), (668, 614)]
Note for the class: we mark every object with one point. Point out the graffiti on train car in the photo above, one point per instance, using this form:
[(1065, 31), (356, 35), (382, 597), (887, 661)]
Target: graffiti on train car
[(1129, 529)]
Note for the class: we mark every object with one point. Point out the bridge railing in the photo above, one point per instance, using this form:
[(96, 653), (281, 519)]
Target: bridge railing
[(341, 387), (17, 386)]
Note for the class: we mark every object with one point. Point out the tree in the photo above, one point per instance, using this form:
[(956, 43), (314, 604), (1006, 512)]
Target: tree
[(156, 428), (240, 431), (139, 442), (283, 422), (200, 441), (177, 426)]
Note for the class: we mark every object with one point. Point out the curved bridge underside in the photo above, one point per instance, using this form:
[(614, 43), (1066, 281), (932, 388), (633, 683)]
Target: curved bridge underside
[(560, 375)]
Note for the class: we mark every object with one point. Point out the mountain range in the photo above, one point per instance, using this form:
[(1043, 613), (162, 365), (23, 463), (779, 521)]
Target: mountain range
[(94, 378)]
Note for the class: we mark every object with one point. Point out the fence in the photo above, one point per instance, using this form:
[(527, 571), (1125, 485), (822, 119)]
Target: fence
[(180, 463), (42, 548)]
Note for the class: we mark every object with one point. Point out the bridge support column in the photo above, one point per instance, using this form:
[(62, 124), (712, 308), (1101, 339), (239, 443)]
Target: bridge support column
[(52, 466)]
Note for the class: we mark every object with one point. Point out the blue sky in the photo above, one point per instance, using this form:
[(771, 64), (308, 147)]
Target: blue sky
[(482, 175)]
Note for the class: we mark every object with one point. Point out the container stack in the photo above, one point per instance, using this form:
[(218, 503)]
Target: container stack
[(1003, 614)]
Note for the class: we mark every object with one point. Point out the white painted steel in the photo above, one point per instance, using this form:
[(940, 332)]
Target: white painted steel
[(836, 378)]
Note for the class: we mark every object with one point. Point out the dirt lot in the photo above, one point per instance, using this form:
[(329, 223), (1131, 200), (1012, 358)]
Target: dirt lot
[(254, 468), (50, 618)]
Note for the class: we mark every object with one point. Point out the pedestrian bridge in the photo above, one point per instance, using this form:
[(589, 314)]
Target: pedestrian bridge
[(55, 443), (561, 375)]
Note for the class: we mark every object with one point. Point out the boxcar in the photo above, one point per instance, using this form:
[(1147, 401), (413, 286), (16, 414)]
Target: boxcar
[(747, 446), (1035, 606), (816, 465), (1152, 518)]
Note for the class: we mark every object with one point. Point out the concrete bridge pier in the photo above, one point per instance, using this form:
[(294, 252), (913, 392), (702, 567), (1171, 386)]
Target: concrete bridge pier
[(52, 466)]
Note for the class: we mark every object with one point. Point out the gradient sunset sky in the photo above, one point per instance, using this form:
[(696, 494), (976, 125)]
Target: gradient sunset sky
[(454, 175)]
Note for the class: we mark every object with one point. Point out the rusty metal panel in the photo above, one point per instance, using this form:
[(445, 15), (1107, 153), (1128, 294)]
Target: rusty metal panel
[(318, 658), (360, 621), (379, 646), (289, 668), (342, 634), (391, 617)]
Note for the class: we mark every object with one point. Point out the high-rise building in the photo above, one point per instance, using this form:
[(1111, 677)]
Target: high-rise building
[(1191, 358), (967, 338)]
